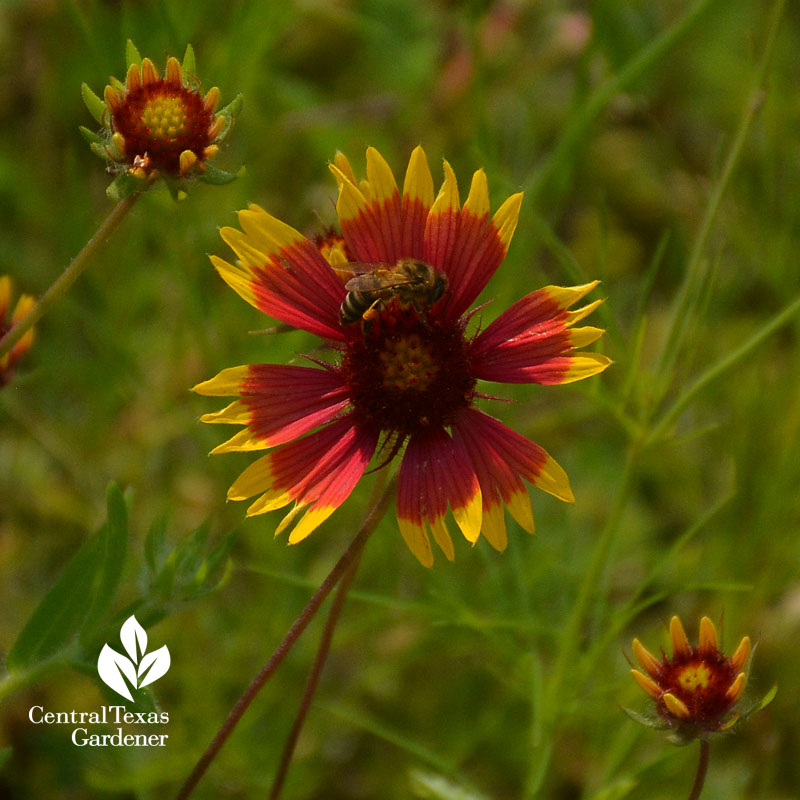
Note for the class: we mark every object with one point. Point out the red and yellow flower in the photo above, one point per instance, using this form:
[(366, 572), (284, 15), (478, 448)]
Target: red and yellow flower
[(8, 319), (695, 690), (160, 126), (406, 377)]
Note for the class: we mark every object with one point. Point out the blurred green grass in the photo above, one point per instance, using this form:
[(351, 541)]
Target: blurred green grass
[(435, 670)]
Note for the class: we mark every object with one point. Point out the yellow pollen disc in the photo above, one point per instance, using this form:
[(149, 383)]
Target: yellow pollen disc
[(407, 364), (695, 676), (165, 117)]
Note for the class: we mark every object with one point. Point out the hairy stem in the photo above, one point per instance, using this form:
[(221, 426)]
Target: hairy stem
[(313, 679), (73, 271), (282, 650), (702, 769)]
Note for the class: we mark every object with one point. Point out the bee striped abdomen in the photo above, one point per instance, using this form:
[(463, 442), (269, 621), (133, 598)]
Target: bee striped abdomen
[(354, 306)]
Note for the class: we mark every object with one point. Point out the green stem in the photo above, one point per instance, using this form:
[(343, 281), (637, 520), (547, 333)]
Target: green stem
[(696, 267), (571, 637), (78, 264), (720, 367), (340, 569), (702, 769)]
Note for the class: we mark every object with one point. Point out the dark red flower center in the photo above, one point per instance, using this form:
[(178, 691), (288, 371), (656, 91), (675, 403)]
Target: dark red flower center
[(700, 681), (407, 371), (162, 120)]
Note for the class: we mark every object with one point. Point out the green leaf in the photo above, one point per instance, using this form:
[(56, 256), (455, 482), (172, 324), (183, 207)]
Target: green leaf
[(645, 719), (218, 177), (619, 789), (189, 66), (123, 186), (97, 108), (767, 698), (99, 149), (156, 549), (5, 754), (114, 548), (212, 571), (234, 108), (91, 136), (63, 609), (432, 786), (132, 54), (81, 595)]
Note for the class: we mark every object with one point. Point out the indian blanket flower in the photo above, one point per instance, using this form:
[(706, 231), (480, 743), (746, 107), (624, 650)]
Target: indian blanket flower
[(696, 690), (393, 301), (160, 126), (8, 319)]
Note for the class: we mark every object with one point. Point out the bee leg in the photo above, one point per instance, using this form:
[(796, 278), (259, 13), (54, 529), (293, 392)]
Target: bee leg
[(372, 311), (422, 311), (369, 316)]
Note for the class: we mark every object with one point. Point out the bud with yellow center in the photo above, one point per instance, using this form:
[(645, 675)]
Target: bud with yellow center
[(159, 127)]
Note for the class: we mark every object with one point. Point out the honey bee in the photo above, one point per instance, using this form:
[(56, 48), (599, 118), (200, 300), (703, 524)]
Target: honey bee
[(375, 284)]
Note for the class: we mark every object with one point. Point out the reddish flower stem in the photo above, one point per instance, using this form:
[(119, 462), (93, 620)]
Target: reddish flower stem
[(702, 769), (313, 679), (78, 264), (282, 650)]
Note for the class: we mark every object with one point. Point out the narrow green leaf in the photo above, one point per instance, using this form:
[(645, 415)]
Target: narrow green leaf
[(234, 108), (220, 553), (644, 719), (114, 547), (619, 789), (724, 364), (217, 177), (91, 136), (5, 754), (97, 108), (765, 700), (189, 66), (156, 549), (432, 786), (132, 54), (63, 609), (123, 186), (190, 551)]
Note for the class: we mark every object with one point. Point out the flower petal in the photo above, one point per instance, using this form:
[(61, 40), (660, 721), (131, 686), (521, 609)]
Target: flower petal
[(378, 224), (436, 472), (647, 683), (676, 706), (282, 274), (501, 457), (481, 245), (739, 658), (318, 471), (279, 403), (441, 227), (708, 638), (417, 201), (646, 659), (531, 342), (680, 644)]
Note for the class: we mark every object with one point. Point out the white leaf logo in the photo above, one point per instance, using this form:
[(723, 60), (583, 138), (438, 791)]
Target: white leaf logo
[(140, 668)]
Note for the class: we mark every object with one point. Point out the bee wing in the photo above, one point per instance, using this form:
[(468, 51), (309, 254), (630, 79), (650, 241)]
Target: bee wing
[(376, 280), (363, 267), (347, 270)]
